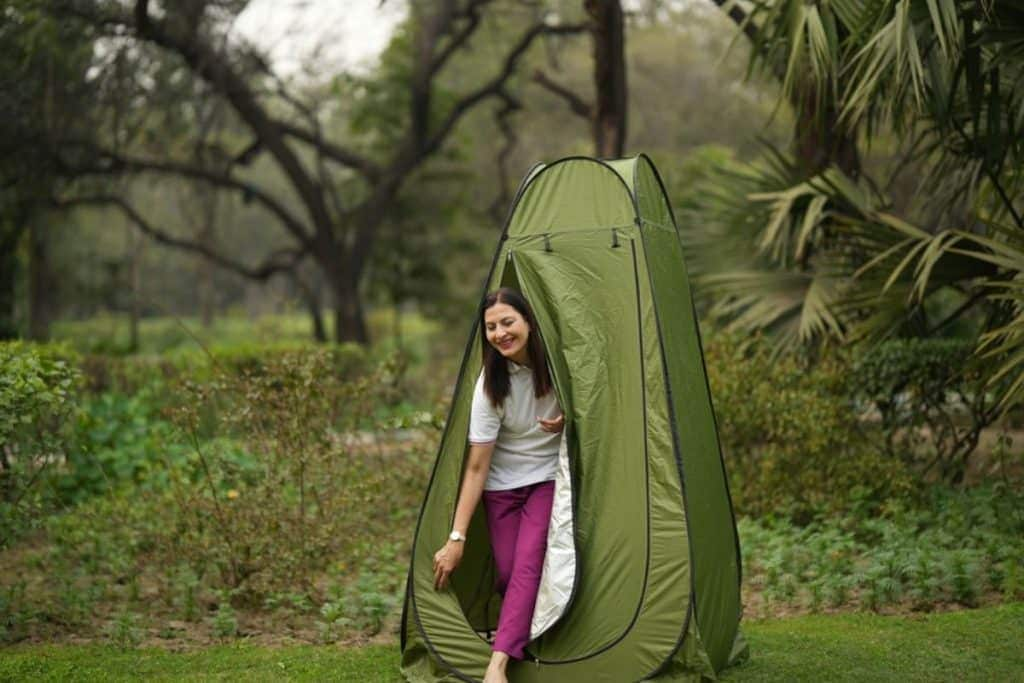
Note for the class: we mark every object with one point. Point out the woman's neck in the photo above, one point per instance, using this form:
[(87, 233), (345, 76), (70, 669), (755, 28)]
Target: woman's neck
[(521, 358)]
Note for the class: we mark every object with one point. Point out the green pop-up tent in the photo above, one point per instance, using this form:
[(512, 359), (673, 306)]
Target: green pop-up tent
[(642, 573)]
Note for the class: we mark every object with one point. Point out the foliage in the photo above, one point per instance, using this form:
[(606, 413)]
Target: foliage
[(958, 547), (931, 412), (45, 96), (118, 440), (836, 246), (790, 434), (37, 391)]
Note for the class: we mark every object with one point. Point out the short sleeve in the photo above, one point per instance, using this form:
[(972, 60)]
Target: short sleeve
[(484, 419)]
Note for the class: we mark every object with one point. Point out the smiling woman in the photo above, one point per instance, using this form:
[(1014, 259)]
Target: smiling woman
[(514, 436)]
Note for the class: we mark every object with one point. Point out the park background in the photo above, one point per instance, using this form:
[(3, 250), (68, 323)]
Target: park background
[(240, 254)]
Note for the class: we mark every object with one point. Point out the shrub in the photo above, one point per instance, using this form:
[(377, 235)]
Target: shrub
[(117, 440), (928, 401), (131, 374), (295, 475), (790, 435), (38, 384)]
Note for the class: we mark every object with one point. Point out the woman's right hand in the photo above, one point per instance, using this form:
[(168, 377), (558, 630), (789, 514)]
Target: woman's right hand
[(445, 561)]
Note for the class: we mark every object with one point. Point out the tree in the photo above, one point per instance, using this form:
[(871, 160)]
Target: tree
[(607, 113), (944, 77), (43, 97), (330, 219), (801, 45)]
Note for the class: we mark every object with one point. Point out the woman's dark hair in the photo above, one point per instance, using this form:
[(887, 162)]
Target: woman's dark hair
[(496, 380)]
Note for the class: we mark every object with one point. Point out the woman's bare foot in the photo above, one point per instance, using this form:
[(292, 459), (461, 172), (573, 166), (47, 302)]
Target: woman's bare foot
[(496, 668)]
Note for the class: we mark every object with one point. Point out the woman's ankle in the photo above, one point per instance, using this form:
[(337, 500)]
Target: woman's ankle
[(499, 659)]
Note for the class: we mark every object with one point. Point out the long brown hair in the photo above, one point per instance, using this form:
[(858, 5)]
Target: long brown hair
[(496, 379)]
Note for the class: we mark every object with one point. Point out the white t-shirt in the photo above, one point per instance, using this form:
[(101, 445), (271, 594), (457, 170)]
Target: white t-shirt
[(523, 452)]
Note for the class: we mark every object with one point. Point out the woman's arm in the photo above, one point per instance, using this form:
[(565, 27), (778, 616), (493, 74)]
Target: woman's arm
[(477, 467)]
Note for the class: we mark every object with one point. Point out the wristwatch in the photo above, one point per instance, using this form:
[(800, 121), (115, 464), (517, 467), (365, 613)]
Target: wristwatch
[(456, 536)]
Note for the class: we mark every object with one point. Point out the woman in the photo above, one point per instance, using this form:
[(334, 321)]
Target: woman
[(513, 457)]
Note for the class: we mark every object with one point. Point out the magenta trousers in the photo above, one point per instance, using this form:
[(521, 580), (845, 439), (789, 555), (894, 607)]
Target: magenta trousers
[(518, 521)]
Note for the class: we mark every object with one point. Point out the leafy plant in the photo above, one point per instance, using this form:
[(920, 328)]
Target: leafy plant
[(124, 631), (38, 385), (225, 621), (790, 433)]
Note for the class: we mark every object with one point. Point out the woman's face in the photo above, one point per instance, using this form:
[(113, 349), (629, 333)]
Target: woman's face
[(507, 331)]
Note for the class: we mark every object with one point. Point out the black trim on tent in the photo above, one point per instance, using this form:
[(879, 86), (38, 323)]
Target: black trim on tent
[(675, 446), (696, 324)]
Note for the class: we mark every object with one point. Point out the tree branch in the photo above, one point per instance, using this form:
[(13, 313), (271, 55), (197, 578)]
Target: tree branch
[(113, 164), (575, 102), (216, 70), (416, 149), (495, 86), (369, 170), (280, 261), (499, 206), (472, 15)]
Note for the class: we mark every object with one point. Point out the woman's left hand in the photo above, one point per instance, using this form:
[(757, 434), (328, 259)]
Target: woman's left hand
[(554, 425)]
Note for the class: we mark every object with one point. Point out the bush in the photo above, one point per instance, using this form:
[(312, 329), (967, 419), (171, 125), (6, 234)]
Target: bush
[(296, 473), (929, 402), (117, 440), (790, 434), (131, 374), (38, 384)]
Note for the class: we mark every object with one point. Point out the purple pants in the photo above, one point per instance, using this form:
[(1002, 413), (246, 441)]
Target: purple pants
[(518, 521)]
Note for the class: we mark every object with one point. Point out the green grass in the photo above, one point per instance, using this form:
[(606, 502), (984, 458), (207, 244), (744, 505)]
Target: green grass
[(974, 645)]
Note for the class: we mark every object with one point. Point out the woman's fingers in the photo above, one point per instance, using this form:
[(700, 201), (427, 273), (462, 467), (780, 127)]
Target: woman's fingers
[(552, 425), (440, 578), (440, 571)]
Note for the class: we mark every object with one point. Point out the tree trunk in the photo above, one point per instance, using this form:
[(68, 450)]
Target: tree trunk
[(349, 323), (349, 318), (609, 77), (13, 222), (8, 282), (135, 303), (208, 198), (310, 294), (820, 141), (40, 282)]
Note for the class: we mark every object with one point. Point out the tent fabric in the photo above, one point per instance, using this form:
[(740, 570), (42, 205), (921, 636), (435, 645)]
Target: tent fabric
[(558, 574), (642, 578)]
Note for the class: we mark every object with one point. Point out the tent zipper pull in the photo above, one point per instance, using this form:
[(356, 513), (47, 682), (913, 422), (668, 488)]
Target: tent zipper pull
[(547, 242), (615, 238)]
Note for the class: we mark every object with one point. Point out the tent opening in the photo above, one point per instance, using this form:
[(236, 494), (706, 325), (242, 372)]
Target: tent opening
[(473, 583)]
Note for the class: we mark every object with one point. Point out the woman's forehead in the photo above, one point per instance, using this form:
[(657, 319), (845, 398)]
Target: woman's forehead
[(498, 311)]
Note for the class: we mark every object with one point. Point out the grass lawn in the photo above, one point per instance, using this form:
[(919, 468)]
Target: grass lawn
[(976, 645)]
